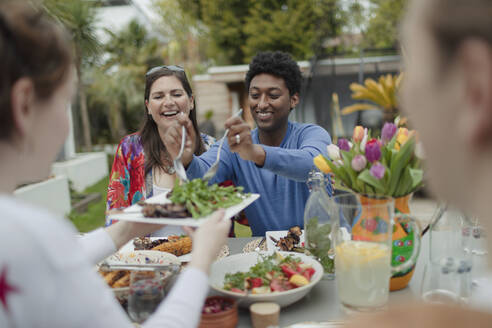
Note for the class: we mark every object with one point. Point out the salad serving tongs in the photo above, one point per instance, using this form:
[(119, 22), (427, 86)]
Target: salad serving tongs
[(213, 169), (173, 268)]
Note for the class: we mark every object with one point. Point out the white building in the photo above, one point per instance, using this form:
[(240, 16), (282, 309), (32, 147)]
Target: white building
[(114, 15)]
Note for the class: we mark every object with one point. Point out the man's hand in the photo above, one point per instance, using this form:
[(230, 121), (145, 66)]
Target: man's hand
[(240, 141), (172, 139)]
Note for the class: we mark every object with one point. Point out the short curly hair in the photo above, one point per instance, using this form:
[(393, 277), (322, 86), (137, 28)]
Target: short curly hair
[(279, 64)]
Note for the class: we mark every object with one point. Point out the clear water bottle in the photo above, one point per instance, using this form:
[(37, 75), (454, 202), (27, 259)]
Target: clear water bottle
[(447, 276), (318, 224)]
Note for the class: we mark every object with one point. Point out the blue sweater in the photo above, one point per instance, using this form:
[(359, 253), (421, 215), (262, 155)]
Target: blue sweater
[(281, 181)]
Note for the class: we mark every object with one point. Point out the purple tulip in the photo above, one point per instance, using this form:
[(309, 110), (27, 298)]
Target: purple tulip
[(389, 130), (343, 144), (377, 170), (373, 150), (359, 162)]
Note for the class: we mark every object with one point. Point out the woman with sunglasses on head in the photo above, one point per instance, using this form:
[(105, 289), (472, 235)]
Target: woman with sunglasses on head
[(142, 166), (47, 276)]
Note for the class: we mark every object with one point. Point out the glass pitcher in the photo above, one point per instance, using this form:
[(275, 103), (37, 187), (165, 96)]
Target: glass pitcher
[(363, 256), (317, 223)]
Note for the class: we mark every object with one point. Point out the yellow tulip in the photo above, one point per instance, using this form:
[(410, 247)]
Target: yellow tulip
[(403, 131), (401, 138), (321, 164)]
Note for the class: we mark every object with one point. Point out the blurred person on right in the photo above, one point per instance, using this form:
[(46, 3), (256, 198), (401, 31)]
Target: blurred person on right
[(447, 95)]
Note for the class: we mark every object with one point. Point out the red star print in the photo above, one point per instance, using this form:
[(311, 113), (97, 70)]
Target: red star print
[(5, 288)]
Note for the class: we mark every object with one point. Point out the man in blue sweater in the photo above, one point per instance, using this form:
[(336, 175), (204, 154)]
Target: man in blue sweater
[(275, 158)]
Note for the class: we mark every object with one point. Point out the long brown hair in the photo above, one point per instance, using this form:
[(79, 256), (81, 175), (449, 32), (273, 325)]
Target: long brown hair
[(151, 141), (32, 46)]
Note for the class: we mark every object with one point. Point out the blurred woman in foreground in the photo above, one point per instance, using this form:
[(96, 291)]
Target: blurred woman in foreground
[(448, 96), (47, 277)]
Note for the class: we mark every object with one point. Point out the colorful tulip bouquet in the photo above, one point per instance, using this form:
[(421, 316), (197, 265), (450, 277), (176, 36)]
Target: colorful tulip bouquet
[(386, 166), (390, 166)]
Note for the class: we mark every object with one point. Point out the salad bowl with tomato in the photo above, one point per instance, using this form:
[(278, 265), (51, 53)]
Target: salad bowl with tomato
[(280, 277)]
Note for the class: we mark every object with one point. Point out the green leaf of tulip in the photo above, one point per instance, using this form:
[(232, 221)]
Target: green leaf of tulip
[(402, 158), (339, 172), (404, 184), (372, 181), (417, 177)]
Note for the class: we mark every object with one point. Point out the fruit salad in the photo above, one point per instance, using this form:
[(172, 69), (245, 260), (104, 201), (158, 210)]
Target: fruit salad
[(274, 273)]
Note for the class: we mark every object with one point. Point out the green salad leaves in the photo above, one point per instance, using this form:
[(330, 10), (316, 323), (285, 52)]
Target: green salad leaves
[(201, 199)]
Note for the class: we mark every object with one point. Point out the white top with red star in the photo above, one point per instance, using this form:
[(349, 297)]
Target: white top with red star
[(47, 276)]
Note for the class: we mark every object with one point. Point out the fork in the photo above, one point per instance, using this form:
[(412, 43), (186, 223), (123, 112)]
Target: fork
[(258, 248), (178, 166), (213, 169)]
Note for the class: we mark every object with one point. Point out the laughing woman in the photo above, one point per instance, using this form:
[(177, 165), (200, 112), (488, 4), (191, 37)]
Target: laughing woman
[(142, 166)]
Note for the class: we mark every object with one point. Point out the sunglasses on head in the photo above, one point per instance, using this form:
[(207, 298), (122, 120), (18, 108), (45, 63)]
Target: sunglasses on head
[(174, 68)]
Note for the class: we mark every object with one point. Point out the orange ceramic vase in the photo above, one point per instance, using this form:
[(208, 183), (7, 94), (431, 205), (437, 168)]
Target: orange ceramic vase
[(403, 238)]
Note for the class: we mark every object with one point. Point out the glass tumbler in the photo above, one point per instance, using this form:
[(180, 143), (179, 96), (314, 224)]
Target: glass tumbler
[(146, 293), (447, 275)]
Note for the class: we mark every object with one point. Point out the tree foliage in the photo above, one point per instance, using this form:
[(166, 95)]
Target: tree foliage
[(238, 29), (79, 18), (297, 27), (117, 86), (186, 34), (382, 26)]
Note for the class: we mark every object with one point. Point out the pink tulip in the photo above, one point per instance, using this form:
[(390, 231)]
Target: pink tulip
[(359, 162), (377, 170)]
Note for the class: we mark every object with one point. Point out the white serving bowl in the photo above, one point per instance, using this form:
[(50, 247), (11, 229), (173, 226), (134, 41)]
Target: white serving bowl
[(243, 262)]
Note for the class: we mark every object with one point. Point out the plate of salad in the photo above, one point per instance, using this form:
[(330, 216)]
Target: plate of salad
[(280, 277), (187, 204)]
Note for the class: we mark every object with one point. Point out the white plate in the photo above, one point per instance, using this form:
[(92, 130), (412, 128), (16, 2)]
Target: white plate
[(129, 247), (134, 214), (243, 262), (277, 235), (142, 257)]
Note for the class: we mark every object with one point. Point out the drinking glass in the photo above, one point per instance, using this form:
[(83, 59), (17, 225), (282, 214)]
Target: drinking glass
[(363, 260), (146, 293), (447, 275)]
